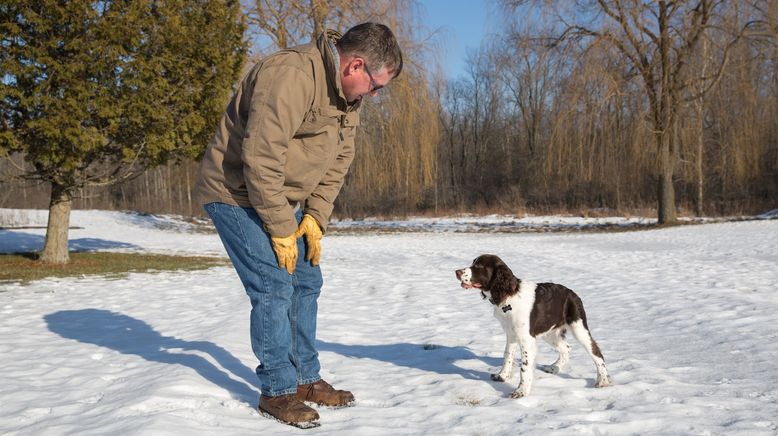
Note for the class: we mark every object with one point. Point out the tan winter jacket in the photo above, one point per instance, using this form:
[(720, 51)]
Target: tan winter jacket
[(287, 137)]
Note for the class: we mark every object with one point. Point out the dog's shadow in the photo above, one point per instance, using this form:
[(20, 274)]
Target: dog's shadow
[(129, 335), (434, 358)]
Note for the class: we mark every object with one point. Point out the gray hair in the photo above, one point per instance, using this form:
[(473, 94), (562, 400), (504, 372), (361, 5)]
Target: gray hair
[(376, 44)]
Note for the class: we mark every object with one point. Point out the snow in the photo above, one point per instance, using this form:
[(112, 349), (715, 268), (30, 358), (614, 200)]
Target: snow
[(685, 317)]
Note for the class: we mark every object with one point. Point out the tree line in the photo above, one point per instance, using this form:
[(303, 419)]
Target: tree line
[(568, 106), (618, 104)]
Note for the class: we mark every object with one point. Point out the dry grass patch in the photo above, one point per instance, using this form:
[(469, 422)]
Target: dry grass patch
[(24, 267)]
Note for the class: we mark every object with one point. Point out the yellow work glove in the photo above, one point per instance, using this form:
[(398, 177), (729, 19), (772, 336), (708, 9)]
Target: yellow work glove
[(286, 251), (312, 231)]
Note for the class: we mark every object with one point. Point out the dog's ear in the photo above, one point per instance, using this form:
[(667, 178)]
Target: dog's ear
[(502, 279)]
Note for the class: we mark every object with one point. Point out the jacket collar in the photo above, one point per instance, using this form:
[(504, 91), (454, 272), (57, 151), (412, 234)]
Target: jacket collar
[(331, 58)]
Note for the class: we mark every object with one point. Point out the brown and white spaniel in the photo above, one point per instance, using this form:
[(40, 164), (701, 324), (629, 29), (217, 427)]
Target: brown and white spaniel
[(529, 310)]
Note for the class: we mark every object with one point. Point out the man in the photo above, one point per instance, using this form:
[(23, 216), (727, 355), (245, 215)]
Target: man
[(270, 176)]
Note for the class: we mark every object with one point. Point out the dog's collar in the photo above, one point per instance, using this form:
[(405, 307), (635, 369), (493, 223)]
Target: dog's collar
[(507, 307)]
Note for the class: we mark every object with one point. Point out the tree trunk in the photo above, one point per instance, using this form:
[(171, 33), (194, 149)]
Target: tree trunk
[(666, 191), (699, 204), (55, 250), (699, 105)]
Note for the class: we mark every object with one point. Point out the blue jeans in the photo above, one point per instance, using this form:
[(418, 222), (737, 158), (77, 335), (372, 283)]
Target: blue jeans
[(283, 305)]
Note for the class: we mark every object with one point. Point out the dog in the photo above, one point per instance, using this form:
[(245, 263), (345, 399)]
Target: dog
[(527, 311)]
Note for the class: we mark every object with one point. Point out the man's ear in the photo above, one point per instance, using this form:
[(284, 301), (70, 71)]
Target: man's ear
[(356, 63)]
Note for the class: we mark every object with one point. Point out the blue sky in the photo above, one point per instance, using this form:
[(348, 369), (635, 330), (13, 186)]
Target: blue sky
[(462, 25)]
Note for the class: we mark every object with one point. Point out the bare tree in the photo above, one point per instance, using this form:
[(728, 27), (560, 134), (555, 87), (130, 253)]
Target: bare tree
[(698, 105), (658, 40), (291, 22)]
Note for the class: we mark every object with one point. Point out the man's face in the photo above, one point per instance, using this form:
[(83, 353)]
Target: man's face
[(358, 80)]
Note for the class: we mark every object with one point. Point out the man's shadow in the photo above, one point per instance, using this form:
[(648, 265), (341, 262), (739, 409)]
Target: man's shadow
[(132, 336), (22, 242), (426, 357)]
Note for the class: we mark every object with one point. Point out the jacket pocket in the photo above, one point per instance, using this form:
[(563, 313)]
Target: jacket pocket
[(318, 134)]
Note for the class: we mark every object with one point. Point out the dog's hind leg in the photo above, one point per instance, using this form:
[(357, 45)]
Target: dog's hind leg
[(583, 336), (556, 338)]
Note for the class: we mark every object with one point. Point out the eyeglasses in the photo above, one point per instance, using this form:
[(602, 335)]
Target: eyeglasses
[(374, 87)]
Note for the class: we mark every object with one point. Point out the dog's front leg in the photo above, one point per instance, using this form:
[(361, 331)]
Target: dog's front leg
[(511, 344), (529, 350)]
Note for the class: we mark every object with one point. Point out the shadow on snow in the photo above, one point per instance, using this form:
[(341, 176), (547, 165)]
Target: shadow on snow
[(438, 359), (19, 242), (132, 336)]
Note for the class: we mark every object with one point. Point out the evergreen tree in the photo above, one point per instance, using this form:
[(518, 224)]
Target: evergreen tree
[(94, 93)]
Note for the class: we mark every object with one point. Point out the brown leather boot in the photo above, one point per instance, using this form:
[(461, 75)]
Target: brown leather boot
[(323, 394), (289, 410)]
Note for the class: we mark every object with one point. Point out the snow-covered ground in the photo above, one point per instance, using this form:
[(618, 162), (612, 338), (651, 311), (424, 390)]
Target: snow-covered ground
[(686, 318)]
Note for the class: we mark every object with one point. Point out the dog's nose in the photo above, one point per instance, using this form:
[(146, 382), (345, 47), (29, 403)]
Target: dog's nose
[(458, 273)]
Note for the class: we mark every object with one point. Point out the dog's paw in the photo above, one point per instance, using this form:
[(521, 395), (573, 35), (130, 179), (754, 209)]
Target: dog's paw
[(551, 369), (519, 393), (602, 382), (498, 377)]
